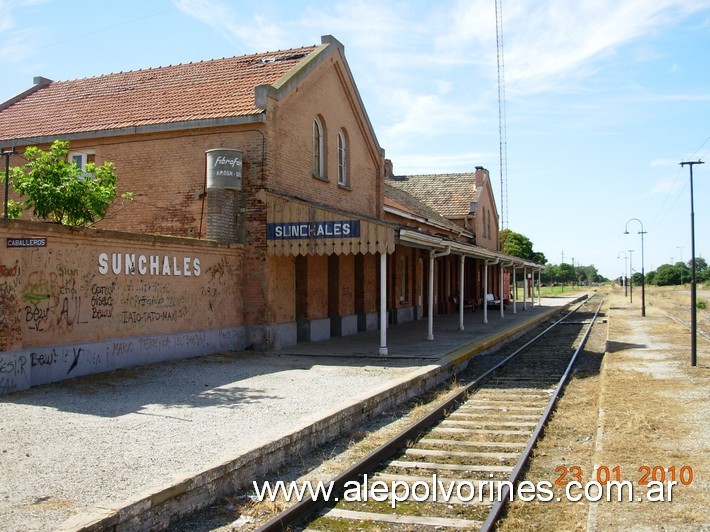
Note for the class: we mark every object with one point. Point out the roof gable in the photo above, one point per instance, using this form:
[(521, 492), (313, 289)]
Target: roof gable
[(215, 89)]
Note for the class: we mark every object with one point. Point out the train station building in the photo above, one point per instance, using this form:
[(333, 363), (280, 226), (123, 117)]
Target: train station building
[(280, 219)]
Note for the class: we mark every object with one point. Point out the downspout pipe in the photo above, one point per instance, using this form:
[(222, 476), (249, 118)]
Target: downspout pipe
[(462, 261), (383, 304), (500, 293), (515, 291), (502, 268), (539, 283), (486, 263), (433, 255)]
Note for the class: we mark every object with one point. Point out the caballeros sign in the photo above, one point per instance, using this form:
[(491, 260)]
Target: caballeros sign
[(35, 242)]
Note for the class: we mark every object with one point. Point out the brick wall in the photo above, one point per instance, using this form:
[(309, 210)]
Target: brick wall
[(92, 300), (325, 95), (311, 287)]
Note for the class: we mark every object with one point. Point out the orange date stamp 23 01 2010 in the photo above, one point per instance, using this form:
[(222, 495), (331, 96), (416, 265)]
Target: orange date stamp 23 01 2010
[(605, 474)]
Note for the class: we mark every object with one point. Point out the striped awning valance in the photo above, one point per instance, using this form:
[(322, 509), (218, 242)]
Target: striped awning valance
[(299, 228)]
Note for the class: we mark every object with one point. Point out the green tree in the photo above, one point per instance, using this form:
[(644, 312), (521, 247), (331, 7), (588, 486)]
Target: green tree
[(666, 275), (518, 245), (669, 274), (567, 273), (702, 272), (651, 277), (551, 274), (58, 191)]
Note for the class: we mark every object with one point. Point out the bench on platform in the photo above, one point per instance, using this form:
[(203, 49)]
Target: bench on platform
[(492, 302), (468, 304)]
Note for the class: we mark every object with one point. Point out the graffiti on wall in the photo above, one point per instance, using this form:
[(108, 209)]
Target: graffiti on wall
[(69, 293)]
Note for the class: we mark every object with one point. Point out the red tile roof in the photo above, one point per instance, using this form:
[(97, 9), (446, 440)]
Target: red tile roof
[(402, 200), (450, 195), (220, 88)]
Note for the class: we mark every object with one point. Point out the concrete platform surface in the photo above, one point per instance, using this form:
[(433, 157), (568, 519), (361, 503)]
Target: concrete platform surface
[(109, 449)]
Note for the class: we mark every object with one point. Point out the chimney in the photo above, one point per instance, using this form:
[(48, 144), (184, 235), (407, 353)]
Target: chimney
[(480, 176), (389, 169)]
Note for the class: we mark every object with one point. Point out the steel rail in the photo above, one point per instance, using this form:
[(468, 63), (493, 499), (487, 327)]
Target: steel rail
[(498, 506), (685, 324), (308, 506)]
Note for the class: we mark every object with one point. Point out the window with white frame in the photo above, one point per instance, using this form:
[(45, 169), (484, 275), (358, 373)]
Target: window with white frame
[(343, 177), (318, 149), (82, 158)]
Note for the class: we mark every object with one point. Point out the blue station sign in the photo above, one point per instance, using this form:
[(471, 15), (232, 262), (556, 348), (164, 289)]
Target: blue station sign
[(296, 230)]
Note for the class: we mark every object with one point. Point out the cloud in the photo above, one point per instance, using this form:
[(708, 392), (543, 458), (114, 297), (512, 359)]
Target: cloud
[(666, 187), (663, 163), (16, 44), (556, 42), (429, 114), (418, 163), (256, 34)]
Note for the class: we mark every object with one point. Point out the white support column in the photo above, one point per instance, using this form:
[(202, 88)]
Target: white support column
[(525, 288), (485, 291), (515, 291), (461, 289), (500, 294), (532, 288), (383, 304), (539, 284), (430, 325)]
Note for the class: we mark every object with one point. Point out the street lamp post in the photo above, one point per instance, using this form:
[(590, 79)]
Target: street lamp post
[(693, 302), (643, 273), (626, 271), (631, 276)]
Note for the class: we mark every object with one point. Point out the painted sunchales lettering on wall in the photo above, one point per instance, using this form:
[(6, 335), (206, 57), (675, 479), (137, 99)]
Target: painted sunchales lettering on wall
[(137, 264), (64, 307)]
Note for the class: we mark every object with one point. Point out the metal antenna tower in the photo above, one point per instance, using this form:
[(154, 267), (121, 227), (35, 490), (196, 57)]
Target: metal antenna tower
[(503, 148)]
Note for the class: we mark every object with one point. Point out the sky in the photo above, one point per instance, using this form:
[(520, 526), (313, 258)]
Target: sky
[(601, 99)]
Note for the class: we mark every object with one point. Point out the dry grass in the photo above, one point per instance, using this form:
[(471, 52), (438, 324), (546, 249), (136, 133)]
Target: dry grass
[(647, 408)]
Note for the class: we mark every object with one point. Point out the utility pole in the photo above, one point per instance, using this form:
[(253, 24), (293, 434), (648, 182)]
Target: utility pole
[(7, 154), (693, 292)]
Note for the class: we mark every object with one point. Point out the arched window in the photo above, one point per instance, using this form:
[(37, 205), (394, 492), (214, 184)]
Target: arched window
[(343, 177), (318, 149)]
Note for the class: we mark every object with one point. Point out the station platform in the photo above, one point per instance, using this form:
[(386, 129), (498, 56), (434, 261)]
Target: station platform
[(128, 448), (409, 340)]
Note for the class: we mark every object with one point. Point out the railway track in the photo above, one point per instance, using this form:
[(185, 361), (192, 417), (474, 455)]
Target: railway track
[(456, 467)]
